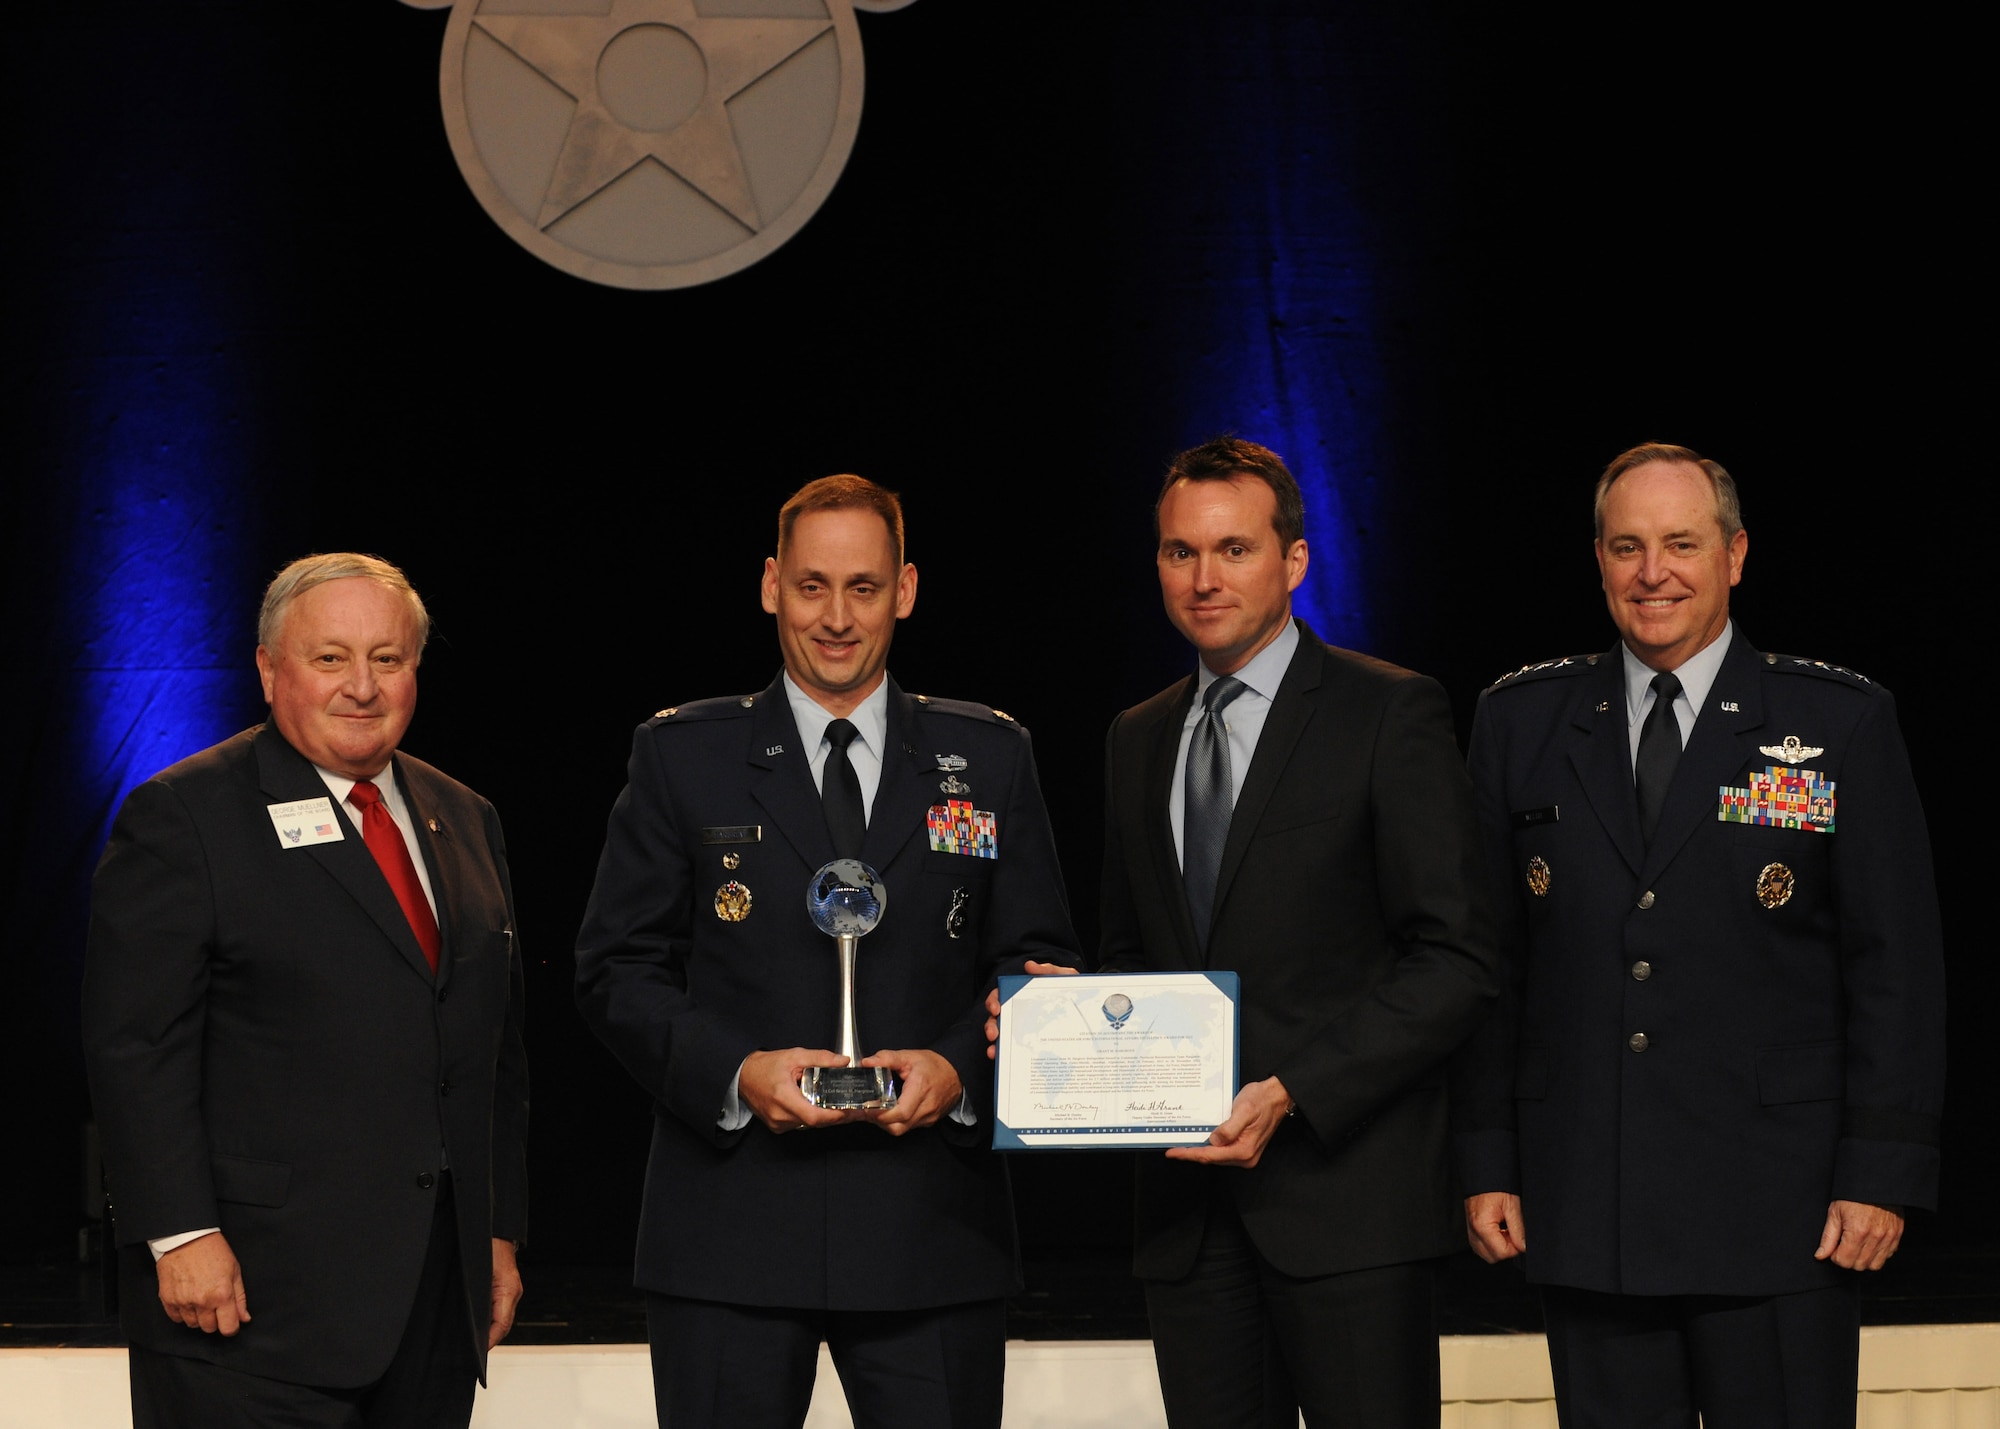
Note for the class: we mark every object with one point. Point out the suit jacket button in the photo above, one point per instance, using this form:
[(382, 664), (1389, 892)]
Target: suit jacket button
[(440, 994), (1646, 899), (1642, 970), (444, 1089), (425, 1180), (1637, 1042)]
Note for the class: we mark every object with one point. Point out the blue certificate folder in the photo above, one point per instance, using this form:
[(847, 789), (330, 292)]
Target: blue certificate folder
[(1106, 1060)]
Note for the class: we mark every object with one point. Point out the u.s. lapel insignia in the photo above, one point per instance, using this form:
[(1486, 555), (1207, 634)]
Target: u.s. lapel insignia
[(1538, 876), (732, 860), (954, 917), (1791, 751), (952, 784), (732, 902), (1774, 885)]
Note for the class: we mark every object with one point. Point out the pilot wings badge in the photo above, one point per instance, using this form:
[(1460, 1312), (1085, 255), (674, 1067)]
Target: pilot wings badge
[(1791, 751)]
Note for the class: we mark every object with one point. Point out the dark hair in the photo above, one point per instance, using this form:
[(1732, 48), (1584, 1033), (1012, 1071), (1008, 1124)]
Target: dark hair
[(842, 493), (1728, 510), (1223, 457)]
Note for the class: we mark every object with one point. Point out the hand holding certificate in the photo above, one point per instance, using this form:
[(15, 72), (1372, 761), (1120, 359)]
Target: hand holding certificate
[(1114, 1059)]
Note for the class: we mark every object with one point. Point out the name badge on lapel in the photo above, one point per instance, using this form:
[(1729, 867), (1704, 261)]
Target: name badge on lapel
[(957, 827), (306, 822)]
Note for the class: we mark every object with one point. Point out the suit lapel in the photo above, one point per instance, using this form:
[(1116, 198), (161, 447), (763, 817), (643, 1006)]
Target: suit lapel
[(905, 794), (783, 783), (1713, 756), (439, 853), (285, 775), (1290, 713), (1602, 757), (1161, 757)]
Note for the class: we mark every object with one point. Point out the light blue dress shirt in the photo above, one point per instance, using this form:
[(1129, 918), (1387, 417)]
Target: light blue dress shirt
[(1243, 718), (1697, 676)]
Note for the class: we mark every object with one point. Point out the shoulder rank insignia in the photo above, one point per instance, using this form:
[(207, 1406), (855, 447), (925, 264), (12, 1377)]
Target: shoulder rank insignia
[(1791, 751)]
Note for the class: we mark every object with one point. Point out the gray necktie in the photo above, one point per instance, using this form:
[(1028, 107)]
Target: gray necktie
[(1205, 817), (1659, 752)]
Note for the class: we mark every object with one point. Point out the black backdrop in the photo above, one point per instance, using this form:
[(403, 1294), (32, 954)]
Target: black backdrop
[(1745, 235)]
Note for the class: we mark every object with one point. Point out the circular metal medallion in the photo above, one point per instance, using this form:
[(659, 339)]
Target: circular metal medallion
[(1774, 885), (1538, 876), (651, 146), (732, 902), (731, 860)]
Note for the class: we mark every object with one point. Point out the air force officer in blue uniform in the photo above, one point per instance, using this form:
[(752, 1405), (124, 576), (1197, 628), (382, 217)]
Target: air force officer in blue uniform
[(769, 1223), (1715, 1083)]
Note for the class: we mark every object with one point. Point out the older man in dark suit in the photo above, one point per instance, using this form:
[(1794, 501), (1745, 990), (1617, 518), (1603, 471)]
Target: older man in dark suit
[(302, 1016), (771, 1222), (1715, 1079), (1299, 814)]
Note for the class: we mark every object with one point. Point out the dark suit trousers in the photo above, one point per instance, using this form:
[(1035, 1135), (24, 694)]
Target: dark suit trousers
[(1739, 1362), (428, 1385), (1241, 1345), (750, 1367)]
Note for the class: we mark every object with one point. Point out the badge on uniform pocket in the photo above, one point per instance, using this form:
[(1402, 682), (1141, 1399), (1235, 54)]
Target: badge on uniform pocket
[(1780, 797), (957, 827)]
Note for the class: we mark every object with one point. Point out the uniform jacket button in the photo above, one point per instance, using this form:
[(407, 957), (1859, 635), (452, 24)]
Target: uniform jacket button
[(1637, 1042), (1646, 899), (426, 1180), (1642, 970)]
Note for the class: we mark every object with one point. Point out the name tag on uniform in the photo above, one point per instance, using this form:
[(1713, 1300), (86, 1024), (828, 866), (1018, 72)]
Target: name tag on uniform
[(307, 822)]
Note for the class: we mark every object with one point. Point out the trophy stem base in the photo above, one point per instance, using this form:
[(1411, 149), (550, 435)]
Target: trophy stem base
[(849, 1088)]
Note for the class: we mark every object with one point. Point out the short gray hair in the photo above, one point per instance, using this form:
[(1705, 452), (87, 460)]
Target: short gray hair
[(1728, 510), (309, 571)]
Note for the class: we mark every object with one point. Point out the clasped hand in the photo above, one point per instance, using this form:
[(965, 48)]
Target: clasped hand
[(769, 1086)]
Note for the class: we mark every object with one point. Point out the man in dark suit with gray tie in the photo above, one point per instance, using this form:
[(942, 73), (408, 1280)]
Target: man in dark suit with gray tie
[(1714, 1080), (302, 1021), (1298, 814)]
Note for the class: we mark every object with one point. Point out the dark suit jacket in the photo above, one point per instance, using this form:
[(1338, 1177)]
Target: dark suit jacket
[(845, 1217), (269, 1053), (1349, 903), (1794, 1050)]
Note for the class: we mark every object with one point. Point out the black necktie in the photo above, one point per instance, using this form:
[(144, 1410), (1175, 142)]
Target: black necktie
[(840, 792), (1205, 814), (1659, 752)]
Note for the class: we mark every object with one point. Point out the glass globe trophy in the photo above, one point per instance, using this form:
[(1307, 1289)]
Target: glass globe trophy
[(846, 900)]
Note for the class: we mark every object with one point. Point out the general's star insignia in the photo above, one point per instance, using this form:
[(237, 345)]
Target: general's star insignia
[(571, 52), (1791, 751)]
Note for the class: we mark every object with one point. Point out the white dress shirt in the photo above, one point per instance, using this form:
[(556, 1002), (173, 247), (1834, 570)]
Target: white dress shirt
[(1697, 676), (1243, 718)]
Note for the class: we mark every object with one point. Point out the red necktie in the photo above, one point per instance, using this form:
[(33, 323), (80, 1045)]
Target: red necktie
[(385, 841)]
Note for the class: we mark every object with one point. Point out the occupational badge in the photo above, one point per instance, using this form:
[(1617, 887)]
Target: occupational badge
[(1538, 876), (732, 902), (954, 916), (1791, 751), (952, 784), (957, 827), (1781, 797), (1774, 885)]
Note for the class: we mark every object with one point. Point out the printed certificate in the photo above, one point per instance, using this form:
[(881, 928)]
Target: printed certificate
[(1114, 1059)]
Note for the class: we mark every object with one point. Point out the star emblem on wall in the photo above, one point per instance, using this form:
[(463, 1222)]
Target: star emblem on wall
[(581, 55)]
